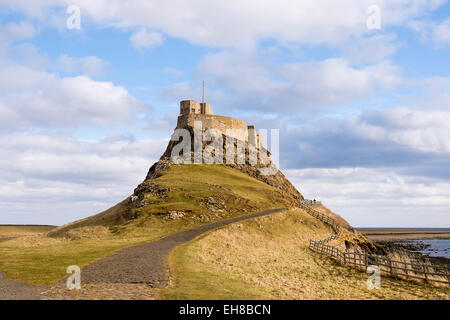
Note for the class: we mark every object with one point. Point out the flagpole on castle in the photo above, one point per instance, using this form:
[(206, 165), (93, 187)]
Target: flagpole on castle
[(203, 92)]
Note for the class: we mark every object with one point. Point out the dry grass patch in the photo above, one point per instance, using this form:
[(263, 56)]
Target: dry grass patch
[(7, 231), (269, 258)]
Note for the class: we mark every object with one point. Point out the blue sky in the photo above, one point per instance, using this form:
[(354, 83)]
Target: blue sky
[(363, 113)]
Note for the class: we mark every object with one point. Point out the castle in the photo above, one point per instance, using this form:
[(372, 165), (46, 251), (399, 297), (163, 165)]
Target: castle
[(192, 111)]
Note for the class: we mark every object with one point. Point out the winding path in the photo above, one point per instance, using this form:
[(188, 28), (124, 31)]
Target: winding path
[(142, 264), (148, 262)]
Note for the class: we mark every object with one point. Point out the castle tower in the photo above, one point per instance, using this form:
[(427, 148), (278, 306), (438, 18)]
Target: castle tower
[(192, 106), (189, 106)]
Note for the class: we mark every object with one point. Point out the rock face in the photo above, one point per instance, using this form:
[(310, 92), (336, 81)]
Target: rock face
[(243, 140), (157, 168), (256, 170), (145, 191)]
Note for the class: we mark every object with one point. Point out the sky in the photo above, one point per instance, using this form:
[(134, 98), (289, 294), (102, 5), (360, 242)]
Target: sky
[(360, 91)]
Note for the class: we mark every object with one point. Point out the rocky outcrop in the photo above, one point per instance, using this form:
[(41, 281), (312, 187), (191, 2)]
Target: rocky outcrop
[(157, 168), (145, 191), (256, 170)]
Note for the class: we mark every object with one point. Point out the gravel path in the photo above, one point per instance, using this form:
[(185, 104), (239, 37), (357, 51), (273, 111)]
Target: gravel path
[(131, 273), (148, 263), (13, 290)]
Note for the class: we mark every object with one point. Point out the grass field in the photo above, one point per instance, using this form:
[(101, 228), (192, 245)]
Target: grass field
[(38, 259), (268, 258), (7, 231)]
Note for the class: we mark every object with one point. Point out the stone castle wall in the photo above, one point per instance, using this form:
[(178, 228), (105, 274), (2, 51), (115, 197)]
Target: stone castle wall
[(239, 129), (192, 111)]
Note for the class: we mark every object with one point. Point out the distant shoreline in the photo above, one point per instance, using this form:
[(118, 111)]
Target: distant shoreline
[(396, 234), (27, 225)]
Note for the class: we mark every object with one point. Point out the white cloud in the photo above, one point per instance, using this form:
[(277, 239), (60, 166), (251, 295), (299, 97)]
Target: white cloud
[(14, 31), (21, 30), (378, 197), (30, 56), (144, 39), (441, 33), (237, 23), (370, 49), (91, 66), (410, 139), (38, 98), (334, 81), (46, 179), (423, 131), (294, 86)]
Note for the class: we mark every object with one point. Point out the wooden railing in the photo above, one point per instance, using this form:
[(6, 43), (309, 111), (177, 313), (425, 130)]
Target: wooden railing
[(418, 268), (321, 216), (310, 203)]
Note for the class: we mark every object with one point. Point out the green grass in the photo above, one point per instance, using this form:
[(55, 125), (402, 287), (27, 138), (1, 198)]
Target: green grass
[(45, 264), (38, 259), (269, 258), (202, 181)]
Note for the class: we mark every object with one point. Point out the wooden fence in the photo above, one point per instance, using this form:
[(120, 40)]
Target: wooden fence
[(310, 203), (418, 268), (322, 217)]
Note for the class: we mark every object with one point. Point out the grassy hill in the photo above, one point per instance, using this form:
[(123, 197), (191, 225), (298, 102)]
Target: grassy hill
[(181, 197), (269, 258), (262, 258)]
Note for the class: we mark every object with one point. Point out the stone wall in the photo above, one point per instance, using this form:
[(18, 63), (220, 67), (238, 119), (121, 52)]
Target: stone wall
[(220, 123), (205, 108), (192, 111)]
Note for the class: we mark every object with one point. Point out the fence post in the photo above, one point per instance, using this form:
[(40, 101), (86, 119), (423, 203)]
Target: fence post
[(390, 266), (424, 271), (366, 260)]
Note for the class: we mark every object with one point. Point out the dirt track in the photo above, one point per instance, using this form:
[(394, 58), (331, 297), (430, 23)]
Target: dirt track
[(13, 290), (142, 264), (147, 263)]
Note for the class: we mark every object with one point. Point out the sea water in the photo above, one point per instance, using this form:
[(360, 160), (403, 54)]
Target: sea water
[(436, 248)]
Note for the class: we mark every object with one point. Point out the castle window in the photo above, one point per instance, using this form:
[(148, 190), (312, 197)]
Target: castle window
[(193, 110)]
